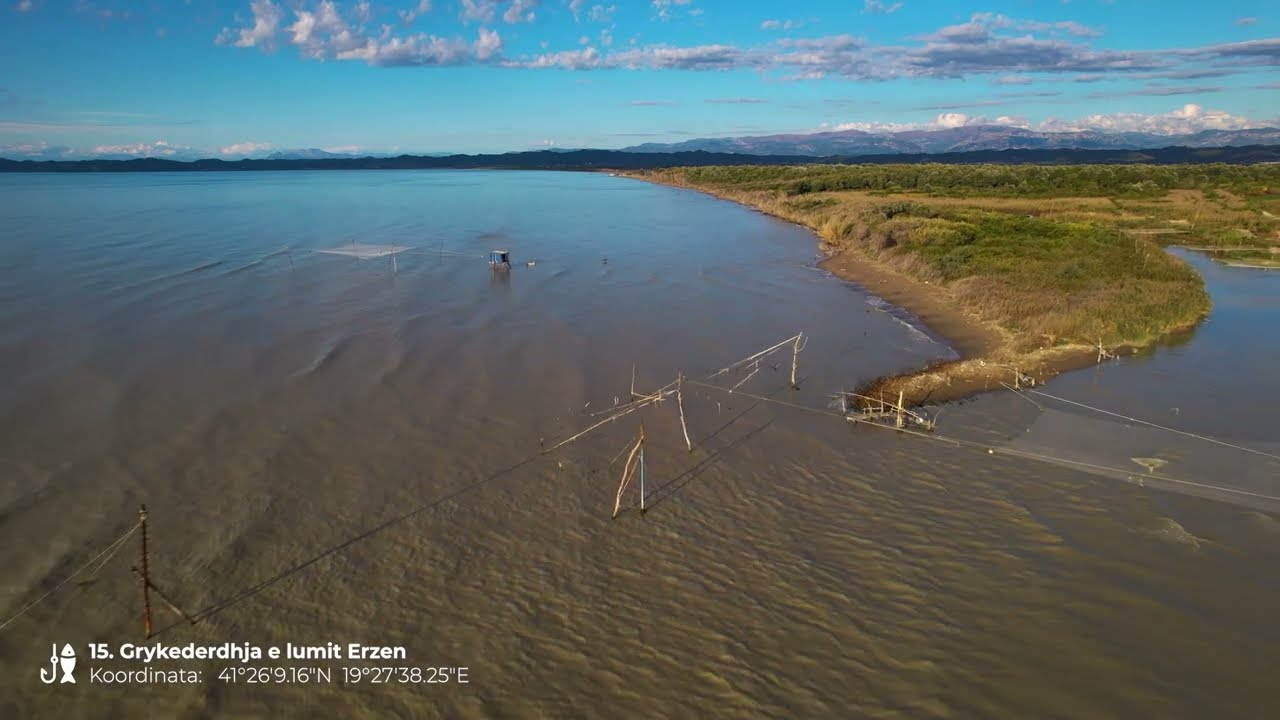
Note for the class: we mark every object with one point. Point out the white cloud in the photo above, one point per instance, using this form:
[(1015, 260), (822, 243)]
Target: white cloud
[(1012, 121), (664, 7), (520, 11), (266, 23), (422, 8), (600, 13), (662, 57), (804, 75), (1189, 118), (343, 149), (780, 24), (159, 148), (245, 148), (877, 7), (420, 49), (582, 59), (321, 31), (24, 6), (1185, 120), (953, 120), (39, 148), (488, 45), (478, 10), (1006, 50)]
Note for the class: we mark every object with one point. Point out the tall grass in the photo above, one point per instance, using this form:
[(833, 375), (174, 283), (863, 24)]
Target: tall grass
[(1058, 269)]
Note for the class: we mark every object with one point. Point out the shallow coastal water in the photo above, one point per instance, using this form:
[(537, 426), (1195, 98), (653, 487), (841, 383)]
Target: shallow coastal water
[(335, 452)]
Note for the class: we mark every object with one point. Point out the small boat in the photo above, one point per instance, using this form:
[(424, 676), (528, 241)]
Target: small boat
[(500, 260)]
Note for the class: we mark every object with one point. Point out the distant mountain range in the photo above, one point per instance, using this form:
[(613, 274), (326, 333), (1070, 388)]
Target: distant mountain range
[(305, 154), (842, 143), (962, 139), (626, 160), (316, 154), (184, 154)]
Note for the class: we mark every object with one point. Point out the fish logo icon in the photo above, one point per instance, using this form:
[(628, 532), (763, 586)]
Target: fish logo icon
[(67, 661)]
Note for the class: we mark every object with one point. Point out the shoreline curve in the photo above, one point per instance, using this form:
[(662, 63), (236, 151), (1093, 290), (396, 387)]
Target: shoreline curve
[(987, 360)]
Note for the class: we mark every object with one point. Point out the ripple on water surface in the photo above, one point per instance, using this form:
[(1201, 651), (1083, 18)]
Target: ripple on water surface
[(336, 450)]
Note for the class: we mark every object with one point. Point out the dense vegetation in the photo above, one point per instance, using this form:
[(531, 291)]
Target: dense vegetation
[(1052, 255), (996, 180)]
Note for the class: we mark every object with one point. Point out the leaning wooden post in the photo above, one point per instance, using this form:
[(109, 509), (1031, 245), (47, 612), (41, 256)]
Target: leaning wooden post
[(795, 359), (680, 404), (146, 577), (165, 599), (901, 423), (642, 466), (627, 470), (633, 382)]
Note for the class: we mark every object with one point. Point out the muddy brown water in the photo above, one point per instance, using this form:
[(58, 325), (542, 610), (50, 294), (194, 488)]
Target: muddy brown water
[(332, 452)]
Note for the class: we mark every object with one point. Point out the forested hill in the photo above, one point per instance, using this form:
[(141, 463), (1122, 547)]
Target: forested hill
[(619, 160)]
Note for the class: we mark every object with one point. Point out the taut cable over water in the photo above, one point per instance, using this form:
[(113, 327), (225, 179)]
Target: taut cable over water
[(635, 465), (1158, 427)]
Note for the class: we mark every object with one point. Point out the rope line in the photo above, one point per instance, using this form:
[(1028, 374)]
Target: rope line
[(118, 544), (1160, 427), (105, 556), (1025, 454), (110, 548)]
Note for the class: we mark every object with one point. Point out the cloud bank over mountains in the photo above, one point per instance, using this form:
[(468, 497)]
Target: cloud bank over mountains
[(947, 132)]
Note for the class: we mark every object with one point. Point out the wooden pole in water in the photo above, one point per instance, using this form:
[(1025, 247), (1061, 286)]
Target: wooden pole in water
[(680, 404), (795, 359), (633, 382), (901, 424), (642, 466), (165, 599), (627, 471), (146, 577)]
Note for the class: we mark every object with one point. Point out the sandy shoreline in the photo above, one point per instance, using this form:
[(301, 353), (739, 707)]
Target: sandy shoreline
[(984, 361), (988, 360)]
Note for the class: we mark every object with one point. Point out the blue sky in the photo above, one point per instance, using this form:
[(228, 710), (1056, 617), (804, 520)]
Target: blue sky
[(231, 78)]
